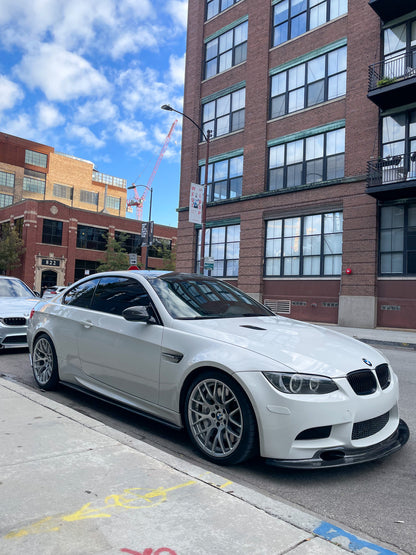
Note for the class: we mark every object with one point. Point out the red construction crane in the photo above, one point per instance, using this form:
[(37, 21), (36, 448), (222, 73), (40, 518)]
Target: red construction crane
[(139, 199)]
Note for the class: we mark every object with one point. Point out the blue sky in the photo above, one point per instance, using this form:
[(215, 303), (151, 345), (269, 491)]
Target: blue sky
[(88, 77)]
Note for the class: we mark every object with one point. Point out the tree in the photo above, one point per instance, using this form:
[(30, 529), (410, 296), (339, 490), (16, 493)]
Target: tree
[(169, 258), (115, 256), (11, 250)]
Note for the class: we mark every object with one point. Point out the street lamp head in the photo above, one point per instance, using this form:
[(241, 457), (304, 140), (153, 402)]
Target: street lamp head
[(167, 107)]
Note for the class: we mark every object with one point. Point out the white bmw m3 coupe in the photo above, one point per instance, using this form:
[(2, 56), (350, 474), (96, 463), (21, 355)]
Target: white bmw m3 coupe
[(198, 353)]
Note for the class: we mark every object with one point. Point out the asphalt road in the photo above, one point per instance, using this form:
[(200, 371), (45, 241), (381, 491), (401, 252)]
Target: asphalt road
[(376, 501)]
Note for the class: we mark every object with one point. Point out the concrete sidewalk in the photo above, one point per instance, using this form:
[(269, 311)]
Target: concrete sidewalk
[(71, 485)]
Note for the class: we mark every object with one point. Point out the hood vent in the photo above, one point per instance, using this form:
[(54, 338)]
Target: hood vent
[(278, 307), (252, 327)]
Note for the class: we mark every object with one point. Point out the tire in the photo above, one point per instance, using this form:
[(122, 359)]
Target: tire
[(45, 363), (220, 419)]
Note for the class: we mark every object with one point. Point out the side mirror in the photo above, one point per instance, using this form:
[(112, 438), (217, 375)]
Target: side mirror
[(138, 314)]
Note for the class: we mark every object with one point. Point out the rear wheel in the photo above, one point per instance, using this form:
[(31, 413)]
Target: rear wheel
[(219, 419), (45, 363)]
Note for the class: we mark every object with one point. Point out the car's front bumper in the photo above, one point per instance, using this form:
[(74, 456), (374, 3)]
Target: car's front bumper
[(13, 337), (325, 458)]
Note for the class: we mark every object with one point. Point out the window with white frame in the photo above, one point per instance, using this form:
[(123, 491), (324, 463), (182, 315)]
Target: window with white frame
[(307, 160), (304, 246), (214, 7), (225, 178), (6, 179), (313, 82), (223, 245), (292, 18), (226, 50), (113, 202), (33, 181), (224, 114), (89, 197), (36, 158), (63, 191), (5, 200)]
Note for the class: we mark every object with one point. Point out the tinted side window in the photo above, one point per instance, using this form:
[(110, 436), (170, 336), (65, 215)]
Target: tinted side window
[(82, 294), (114, 294)]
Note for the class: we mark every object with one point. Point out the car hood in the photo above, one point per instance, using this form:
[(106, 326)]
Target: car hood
[(16, 306), (299, 346)]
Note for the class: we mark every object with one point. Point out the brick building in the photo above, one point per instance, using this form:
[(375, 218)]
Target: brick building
[(63, 244), (312, 165), (64, 209), (33, 170)]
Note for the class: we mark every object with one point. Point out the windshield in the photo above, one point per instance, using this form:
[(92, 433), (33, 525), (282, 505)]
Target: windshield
[(14, 288), (195, 297)]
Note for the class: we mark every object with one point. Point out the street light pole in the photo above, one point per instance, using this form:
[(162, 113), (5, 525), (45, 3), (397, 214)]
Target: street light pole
[(207, 137)]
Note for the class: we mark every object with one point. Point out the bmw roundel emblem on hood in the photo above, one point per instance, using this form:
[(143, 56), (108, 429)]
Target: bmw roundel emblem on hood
[(367, 362)]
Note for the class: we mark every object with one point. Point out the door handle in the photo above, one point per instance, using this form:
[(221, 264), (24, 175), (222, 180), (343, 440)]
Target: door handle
[(87, 324)]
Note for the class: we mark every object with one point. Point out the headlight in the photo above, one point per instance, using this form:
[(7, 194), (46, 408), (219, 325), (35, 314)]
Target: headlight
[(301, 383)]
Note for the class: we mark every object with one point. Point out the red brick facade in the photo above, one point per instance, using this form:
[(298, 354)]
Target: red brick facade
[(61, 259), (358, 298)]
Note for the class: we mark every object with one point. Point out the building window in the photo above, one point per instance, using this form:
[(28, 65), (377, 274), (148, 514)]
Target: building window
[(63, 191), (93, 238), (318, 80), (223, 245), (84, 268), (224, 114), (36, 158), (89, 197), (131, 242), (5, 200), (309, 160), (6, 179), (227, 50), (292, 18), (160, 248), (398, 239), (112, 202), (304, 246), (34, 182), (225, 179), (398, 41), (399, 147), (52, 232), (214, 7)]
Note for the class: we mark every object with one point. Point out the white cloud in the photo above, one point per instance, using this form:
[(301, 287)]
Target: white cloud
[(145, 91), (49, 116), (133, 133), (86, 136), (95, 111), (10, 93), (60, 74), (178, 9), (177, 69), (20, 126)]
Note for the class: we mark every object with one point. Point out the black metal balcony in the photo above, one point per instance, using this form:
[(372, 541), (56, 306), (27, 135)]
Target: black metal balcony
[(392, 177), (388, 10), (392, 82)]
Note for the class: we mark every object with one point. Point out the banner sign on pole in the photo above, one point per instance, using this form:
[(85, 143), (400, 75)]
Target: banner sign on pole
[(196, 199)]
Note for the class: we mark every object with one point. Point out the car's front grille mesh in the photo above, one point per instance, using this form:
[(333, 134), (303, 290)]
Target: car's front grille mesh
[(14, 321), (370, 427), (364, 382), (383, 375)]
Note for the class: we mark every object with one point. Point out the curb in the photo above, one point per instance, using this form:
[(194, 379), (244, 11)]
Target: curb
[(393, 344), (296, 517)]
